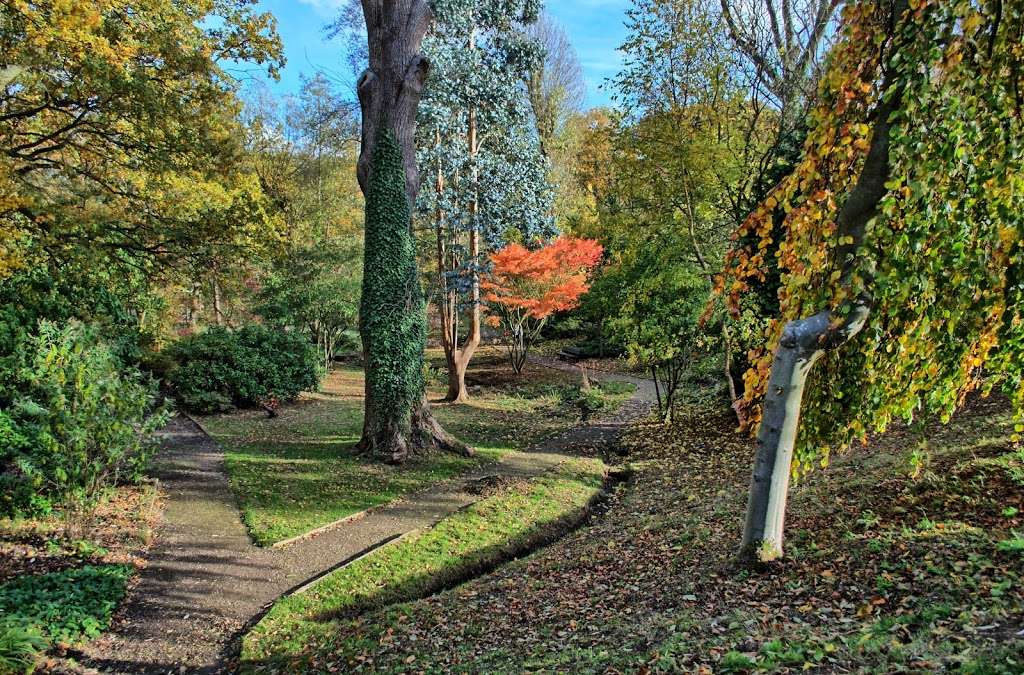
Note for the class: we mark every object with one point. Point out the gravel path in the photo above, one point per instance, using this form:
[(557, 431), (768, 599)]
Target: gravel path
[(205, 580)]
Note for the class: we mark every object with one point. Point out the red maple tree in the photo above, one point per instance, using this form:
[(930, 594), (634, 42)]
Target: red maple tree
[(525, 287)]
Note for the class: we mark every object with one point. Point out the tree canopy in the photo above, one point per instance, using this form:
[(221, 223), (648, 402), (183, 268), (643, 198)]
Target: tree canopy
[(119, 127), (938, 264)]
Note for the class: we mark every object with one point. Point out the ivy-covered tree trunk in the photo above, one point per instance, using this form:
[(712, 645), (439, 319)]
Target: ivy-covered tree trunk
[(804, 341), (393, 323)]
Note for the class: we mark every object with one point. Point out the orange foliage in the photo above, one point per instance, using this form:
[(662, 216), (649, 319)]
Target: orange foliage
[(536, 284)]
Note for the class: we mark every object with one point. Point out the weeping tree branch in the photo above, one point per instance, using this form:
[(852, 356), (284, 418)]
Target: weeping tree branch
[(806, 340)]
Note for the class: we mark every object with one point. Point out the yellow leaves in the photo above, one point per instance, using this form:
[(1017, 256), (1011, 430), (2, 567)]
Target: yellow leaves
[(972, 22)]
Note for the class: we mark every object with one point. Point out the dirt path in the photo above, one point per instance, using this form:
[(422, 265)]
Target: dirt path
[(205, 579)]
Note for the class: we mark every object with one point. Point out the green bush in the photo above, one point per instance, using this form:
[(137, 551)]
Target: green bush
[(220, 369), (589, 400), (20, 647), (59, 608), (73, 420)]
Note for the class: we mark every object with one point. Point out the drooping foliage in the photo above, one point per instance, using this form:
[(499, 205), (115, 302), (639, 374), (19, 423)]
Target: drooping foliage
[(392, 317), (938, 267), (525, 287)]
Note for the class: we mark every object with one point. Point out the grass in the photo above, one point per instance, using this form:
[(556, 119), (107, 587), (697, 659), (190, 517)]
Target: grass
[(901, 557), (58, 608), (516, 518), (297, 472)]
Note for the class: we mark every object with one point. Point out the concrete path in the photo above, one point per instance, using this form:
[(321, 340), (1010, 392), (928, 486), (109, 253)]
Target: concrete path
[(205, 580)]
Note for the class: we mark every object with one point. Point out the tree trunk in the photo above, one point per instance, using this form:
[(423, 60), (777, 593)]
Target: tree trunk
[(804, 341), (457, 357), (799, 348), (397, 422), (218, 311)]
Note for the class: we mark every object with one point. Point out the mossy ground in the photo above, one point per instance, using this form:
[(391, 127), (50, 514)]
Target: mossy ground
[(904, 556), (296, 472)]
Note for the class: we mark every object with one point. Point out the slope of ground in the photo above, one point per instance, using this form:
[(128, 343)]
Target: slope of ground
[(296, 472), (903, 556), (512, 517)]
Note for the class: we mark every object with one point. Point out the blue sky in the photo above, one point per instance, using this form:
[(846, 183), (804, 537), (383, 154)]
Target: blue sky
[(595, 27)]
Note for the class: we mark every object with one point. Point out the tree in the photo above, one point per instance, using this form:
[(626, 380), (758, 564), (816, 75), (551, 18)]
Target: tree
[(397, 422), (716, 108), (586, 176), (555, 83), (304, 152), (487, 175), (661, 297), (315, 290), (525, 287), (119, 127), (782, 42), (900, 249)]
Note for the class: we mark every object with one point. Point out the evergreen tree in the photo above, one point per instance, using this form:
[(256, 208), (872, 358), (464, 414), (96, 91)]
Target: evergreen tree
[(485, 175)]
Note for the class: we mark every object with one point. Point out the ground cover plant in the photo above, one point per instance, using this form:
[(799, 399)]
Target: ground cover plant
[(511, 519), (903, 557), (299, 470), (66, 608), (62, 575)]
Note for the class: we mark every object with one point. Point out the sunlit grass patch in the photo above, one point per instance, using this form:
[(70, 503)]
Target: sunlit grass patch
[(297, 471), (514, 519)]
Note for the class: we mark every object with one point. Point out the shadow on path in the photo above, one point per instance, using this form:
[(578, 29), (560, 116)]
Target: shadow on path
[(205, 579)]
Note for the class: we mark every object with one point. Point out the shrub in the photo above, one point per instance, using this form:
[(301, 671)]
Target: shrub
[(73, 420), (59, 608), (219, 369), (589, 400)]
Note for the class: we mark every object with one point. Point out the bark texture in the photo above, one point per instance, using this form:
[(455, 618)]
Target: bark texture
[(804, 341), (397, 422), (458, 355)]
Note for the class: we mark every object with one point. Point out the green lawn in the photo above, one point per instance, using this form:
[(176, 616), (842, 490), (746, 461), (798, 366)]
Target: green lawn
[(515, 518), (905, 556), (296, 472)]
